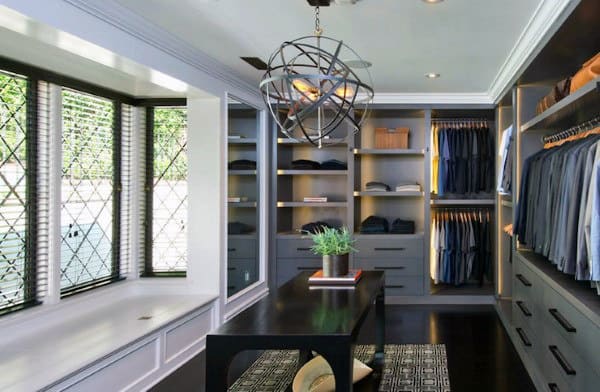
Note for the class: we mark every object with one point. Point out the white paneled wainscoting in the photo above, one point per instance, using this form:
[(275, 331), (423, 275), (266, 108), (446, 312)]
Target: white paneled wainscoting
[(126, 339)]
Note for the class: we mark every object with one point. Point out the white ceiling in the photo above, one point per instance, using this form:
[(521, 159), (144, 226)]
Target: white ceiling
[(33, 43), (466, 41)]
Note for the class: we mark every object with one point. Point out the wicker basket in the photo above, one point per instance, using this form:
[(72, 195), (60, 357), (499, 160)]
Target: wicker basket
[(391, 137)]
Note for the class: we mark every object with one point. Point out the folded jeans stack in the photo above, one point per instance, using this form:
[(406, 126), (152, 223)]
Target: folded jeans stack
[(242, 164), (400, 226), (333, 164), (374, 225), (305, 164), (376, 186), (239, 228), (314, 227)]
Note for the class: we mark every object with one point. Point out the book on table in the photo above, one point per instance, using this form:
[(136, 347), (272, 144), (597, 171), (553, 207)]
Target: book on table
[(350, 278)]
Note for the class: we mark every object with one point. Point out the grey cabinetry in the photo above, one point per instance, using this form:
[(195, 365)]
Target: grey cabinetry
[(559, 340), (243, 196), (401, 256), (293, 257)]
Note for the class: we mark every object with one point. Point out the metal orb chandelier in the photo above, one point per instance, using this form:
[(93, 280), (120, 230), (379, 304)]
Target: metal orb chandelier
[(310, 90)]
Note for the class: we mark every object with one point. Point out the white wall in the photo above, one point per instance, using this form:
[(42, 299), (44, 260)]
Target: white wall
[(123, 37)]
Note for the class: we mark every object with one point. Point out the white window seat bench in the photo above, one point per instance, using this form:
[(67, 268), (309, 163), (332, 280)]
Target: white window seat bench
[(126, 337)]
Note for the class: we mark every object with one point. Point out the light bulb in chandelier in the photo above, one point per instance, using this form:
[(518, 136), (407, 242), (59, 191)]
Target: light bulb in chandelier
[(311, 92)]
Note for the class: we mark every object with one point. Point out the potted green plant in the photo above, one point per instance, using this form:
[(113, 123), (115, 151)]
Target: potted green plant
[(335, 246)]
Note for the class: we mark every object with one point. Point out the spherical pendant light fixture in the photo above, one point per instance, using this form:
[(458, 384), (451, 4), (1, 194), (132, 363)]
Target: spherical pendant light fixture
[(311, 91)]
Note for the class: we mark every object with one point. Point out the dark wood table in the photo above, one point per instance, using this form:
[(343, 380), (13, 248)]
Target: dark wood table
[(296, 316)]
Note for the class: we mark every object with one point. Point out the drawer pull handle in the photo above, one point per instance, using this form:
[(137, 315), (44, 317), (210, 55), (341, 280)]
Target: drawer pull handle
[(390, 248), (302, 249), (553, 387), (523, 308), (231, 268), (524, 337), (307, 268), (562, 361), (231, 249), (562, 320), (395, 286), (390, 268), (523, 280)]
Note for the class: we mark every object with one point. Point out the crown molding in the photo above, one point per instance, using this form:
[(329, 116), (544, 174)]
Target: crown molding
[(432, 98), (544, 22), (133, 24)]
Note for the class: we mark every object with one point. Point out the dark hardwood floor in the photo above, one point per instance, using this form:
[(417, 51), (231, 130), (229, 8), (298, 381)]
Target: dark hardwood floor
[(481, 356)]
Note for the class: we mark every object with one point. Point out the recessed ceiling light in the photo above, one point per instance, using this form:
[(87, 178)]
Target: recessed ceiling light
[(432, 75), (433, 1)]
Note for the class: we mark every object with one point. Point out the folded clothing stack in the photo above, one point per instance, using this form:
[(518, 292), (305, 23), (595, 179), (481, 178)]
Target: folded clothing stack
[(330, 164), (314, 227), (239, 228), (242, 164), (376, 186), (408, 187), (374, 225), (305, 164), (400, 226), (333, 164)]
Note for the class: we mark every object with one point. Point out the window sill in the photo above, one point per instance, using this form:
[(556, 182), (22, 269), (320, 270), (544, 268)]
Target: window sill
[(53, 342)]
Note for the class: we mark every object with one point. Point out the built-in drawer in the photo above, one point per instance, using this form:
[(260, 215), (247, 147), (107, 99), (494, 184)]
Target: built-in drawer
[(404, 266), (241, 247), (577, 330), (241, 273), (295, 248), (527, 286), (289, 268), (562, 365), (527, 339), (525, 313), (396, 248), (403, 285)]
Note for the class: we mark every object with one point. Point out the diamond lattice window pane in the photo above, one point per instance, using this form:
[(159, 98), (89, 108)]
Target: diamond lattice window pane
[(13, 203), (87, 190), (169, 215)]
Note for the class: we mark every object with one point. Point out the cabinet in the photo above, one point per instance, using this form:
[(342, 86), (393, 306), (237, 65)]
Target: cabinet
[(401, 256), (557, 315), (243, 197)]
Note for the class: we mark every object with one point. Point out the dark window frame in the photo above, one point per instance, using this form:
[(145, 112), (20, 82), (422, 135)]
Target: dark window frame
[(34, 75), (117, 126)]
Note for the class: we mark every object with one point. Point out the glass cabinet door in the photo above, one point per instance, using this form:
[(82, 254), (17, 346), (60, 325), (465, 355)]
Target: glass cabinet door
[(243, 196)]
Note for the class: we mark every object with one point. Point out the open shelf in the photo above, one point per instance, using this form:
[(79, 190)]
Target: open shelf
[(303, 204), (387, 236), (242, 204), (241, 141), (378, 151), (465, 289), (329, 142), (242, 172), (574, 109), (463, 202), (290, 172), (387, 194)]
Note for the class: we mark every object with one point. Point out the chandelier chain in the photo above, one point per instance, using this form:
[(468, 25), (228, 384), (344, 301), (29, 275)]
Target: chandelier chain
[(318, 29)]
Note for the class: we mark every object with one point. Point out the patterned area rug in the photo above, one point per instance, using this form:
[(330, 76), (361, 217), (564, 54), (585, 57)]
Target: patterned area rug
[(407, 368)]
